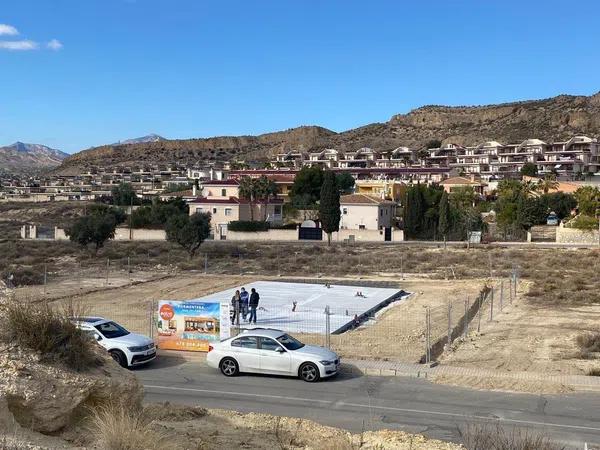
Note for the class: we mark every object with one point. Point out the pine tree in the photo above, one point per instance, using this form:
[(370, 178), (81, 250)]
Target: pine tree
[(329, 206), (444, 216)]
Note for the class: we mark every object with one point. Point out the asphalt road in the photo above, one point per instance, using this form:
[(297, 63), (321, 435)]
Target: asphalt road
[(370, 403)]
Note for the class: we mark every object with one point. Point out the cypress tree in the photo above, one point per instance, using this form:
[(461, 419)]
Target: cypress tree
[(329, 206), (413, 212), (444, 216)]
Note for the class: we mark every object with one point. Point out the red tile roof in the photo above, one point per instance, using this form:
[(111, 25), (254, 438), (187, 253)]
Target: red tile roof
[(362, 199)]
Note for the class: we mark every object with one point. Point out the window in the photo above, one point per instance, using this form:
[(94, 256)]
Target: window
[(111, 330), (268, 344), (214, 210), (277, 210), (361, 227), (245, 342), (344, 210), (198, 210), (289, 342), (228, 211), (223, 192)]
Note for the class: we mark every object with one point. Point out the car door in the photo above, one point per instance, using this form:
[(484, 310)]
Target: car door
[(245, 350), (273, 357)]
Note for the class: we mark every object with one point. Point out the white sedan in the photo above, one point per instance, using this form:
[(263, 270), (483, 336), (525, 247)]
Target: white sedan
[(272, 352)]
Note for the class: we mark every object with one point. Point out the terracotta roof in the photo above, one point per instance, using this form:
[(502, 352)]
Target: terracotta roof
[(230, 182), (460, 180), (232, 201), (362, 199)]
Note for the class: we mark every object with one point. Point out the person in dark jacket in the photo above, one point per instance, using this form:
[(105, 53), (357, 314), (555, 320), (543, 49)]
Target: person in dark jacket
[(244, 303), (253, 303)]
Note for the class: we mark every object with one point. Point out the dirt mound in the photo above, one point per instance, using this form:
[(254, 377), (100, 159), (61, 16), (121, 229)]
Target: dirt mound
[(49, 398)]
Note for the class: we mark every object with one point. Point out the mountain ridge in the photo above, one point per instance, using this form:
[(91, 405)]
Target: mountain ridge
[(22, 157), (549, 119)]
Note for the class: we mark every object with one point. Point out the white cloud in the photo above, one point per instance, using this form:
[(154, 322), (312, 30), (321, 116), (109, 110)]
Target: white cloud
[(8, 30), (18, 45), (54, 44)]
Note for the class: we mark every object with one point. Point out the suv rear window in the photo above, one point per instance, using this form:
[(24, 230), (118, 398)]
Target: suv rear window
[(245, 342)]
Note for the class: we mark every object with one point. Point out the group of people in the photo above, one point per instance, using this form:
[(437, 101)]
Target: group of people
[(244, 305)]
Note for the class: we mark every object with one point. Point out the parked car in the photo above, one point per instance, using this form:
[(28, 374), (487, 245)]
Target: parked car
[(552, 219), (268, 351), (126, 348)]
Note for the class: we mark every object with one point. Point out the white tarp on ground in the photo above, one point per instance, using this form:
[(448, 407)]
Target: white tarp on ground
[(276, 302)]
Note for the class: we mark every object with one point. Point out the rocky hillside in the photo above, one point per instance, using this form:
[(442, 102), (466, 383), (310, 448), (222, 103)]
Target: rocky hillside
[(21, 157), (551, 119)]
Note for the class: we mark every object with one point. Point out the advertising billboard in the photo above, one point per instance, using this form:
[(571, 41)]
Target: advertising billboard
[(191, 325)]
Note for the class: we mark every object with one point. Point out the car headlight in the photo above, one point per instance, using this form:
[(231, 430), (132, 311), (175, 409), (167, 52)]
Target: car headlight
[(140, 348), (326, 363)]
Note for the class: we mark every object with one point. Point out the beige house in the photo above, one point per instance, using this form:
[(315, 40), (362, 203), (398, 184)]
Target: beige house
[(366, 212), (450, 184), (225, 210)]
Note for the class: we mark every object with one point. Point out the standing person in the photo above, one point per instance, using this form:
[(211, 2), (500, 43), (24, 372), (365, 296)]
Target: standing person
[(254, 298), (235, 307), (244, 296)]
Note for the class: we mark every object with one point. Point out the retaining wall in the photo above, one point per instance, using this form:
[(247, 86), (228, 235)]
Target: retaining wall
[(574, 236)]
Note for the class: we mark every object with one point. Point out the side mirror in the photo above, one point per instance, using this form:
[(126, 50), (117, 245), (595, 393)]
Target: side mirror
[(280, 350), (97, 337)]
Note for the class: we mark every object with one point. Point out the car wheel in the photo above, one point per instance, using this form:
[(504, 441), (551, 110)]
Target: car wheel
[(309, 372), (229, 367), (119, 357)]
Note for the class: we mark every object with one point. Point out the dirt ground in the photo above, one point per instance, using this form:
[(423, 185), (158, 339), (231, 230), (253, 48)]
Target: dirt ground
[(528, 337)]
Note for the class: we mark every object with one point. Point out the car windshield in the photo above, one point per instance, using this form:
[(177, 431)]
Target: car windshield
[(289, 342), (111, 330)]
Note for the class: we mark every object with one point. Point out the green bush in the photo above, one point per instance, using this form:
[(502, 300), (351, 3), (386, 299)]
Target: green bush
[(583, 222), (40, 328), (248, 225), (24, 276)]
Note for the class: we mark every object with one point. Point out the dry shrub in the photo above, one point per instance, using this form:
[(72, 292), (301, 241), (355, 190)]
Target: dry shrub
[(496, 437), (589, 343), (40, 328), (119, 427), (594, 372), (174, 413)]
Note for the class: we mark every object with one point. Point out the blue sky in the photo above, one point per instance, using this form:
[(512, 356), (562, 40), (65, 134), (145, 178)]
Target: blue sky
[(118, 69)]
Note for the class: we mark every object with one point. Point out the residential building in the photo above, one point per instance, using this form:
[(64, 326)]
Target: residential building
[(381, 188), (366, 212), (226, 210), (452, 183)]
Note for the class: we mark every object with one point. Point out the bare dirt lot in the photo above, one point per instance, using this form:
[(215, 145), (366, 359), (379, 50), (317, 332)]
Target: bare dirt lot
[(558, 301)]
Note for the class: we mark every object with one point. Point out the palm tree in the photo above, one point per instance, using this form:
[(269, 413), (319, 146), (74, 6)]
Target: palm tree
[(547, 184), (247, 191), (265, 190)]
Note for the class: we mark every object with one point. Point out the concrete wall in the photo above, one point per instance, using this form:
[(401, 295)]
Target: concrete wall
[(365, 235), (139, 234), (574, 236), (271, 235), (292, 235)]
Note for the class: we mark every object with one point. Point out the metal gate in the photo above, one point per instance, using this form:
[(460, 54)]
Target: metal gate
[(387, 233), (312, 234)]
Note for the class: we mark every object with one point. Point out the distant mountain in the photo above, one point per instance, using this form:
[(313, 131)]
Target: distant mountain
[(142, 140), (29, 158), (550, 119)]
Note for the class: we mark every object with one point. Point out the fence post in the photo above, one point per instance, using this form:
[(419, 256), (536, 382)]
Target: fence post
[(501, 294), (79, 275), (401, 267), (480, 300), (206, 263), (466, 330), (240, 263), (427, 339), (449, 342), (492, 304), (45, 277), (151, 322), (510, 290), (107, 269), (327, 328)]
